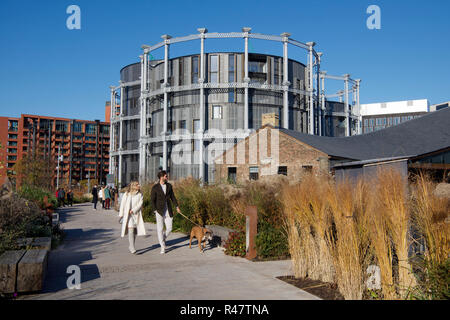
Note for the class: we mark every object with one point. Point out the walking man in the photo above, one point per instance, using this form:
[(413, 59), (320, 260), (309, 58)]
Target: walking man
[(61, 197), (162, 197)]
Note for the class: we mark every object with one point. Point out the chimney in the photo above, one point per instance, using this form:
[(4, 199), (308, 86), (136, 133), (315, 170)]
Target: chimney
[(108, 112), (270, 118)]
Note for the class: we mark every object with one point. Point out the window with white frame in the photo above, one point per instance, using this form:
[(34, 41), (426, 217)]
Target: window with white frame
[(214, 69), (217, 112)]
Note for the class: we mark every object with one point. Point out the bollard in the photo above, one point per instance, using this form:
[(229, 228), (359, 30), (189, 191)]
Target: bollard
[(251, 229)]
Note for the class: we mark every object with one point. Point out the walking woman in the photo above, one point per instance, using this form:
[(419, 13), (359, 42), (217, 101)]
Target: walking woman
[(95, 196), (131, 214)]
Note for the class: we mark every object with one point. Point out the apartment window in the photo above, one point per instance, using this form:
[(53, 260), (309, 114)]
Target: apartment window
[(371, 122), (256, 66), (12, 158), (148, 127), (104, 129), (282, 170), (196, 145), (231, 77), (180, 72), (214, 69), (182, 124), (61, 126), (170, 126), (217, 112), (276, 75), (232, 174), (90, 128), (196, 126), (366, 122), (253, 173), (404, 119), (13, 125), (231, 66), (194, 77), (12, 143), (12, 136), (77, 127)]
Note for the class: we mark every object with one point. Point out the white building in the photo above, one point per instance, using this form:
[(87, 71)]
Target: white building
[(376, 116)]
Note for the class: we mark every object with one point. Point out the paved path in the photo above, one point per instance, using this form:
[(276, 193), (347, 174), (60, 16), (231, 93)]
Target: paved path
[(109, 271)]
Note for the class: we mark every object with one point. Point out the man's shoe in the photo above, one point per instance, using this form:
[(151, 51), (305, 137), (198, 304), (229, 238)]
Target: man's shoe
[(163, 250)]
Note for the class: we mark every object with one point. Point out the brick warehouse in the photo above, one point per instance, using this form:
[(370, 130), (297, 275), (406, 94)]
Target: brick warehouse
[(84, 145), (294, 157), (421, 144)]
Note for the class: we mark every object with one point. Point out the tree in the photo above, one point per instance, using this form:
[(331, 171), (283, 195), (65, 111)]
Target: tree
[(35, 171)]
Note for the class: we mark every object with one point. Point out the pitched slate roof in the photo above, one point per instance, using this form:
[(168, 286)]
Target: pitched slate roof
[(428, 133)]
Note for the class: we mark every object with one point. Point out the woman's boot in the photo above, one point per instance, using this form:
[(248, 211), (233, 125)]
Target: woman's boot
[(132, 239)]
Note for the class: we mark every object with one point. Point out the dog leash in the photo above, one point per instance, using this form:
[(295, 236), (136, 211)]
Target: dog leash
[(190, 220)]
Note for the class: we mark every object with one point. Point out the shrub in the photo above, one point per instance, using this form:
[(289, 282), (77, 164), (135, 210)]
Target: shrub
[(37, 195), (433, 281), (82, 199), (235, 244), (271, 242), (20, 218)]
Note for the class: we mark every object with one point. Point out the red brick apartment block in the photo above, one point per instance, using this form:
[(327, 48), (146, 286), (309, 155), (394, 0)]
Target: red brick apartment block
[(84, 146)]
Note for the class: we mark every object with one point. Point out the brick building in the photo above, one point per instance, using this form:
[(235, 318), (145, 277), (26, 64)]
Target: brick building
[(83, 144), (292, 157), (421, 144)]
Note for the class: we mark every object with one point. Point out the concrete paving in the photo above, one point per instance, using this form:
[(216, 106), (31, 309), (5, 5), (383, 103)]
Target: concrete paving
[(110, 271)]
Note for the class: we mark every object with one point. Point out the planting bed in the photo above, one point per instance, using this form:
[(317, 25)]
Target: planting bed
[(323, 290)]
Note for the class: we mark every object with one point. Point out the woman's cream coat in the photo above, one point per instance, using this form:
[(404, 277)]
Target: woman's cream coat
[(133, 202)]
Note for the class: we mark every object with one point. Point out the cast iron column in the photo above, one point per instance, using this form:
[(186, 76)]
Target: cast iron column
[(286, 82)]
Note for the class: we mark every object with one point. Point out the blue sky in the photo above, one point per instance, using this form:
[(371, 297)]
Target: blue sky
[(49, 70)]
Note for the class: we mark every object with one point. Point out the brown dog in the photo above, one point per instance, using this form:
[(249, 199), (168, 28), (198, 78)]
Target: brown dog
[(201, 234)]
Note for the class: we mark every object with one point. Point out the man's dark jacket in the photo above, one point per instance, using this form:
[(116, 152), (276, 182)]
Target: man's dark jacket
[(94, 194), (159, 199)]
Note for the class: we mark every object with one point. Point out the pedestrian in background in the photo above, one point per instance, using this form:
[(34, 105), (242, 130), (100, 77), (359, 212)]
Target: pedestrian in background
[(70, 197), (100, 197), (107, 198), (95, 196), (113, 197), (61, 197)]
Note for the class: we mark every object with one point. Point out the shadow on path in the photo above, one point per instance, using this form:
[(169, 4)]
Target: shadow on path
[(170, 243), (77, 249)]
